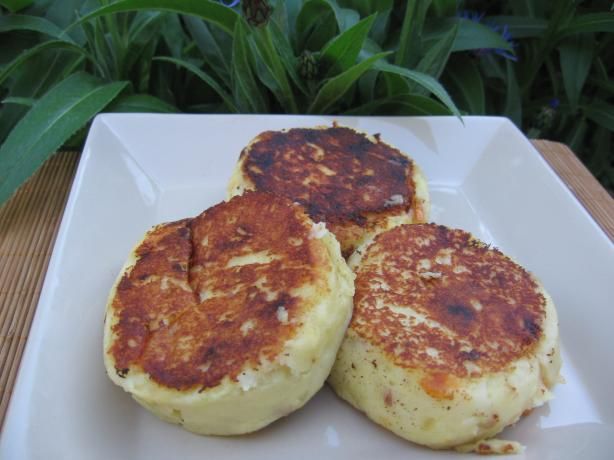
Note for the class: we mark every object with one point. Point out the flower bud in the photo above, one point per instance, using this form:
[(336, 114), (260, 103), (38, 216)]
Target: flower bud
[(256, 12), (308, 66)]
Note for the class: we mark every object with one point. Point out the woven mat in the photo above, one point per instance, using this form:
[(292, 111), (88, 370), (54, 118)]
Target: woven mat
[(29, 223)]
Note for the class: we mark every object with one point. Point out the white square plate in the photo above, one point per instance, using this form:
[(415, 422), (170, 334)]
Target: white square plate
[(139, 170)]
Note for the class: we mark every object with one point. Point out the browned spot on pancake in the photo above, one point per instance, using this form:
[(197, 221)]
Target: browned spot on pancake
[(388, 401), (439, 385), (139, 302), (193, 310), (489, 309), (484, 449), (340, 176)]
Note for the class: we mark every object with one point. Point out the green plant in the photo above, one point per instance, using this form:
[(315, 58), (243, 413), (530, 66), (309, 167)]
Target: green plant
[(560, 86), (63, 61)]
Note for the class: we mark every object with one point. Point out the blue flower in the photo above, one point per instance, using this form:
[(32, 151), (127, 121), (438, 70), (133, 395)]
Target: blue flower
[(507, 36), (501, 30), (554, 103), (232, 4)]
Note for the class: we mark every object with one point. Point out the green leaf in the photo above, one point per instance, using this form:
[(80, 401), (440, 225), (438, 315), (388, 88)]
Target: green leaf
[(173, 34), (104, 52), (345, 17), (391, 85), (141, 21), (33, 24), (63, 110), (426, 81), (246, 91), (25, 101), (280, 16), (416, 37), (400, 104), (314, 12), (8, 69), (594, 22), (444, 7), (337, 86), (31, 80), (288, 59), (15, 5), (211, 11), (471, 35), (576, 57), (383, 8), (367, 7), (464, 76), (292, 9), (204, 77), (310, 20), (212, 49), (14, 43), (409, 26), (270, 59), (143, 39), (141, 103), (381, 26), (367, 85), (601, 113), (142, 70), (437, 56), (341, 52), (63, 12), (520, 26)]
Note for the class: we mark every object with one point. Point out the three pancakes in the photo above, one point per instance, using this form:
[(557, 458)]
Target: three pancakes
[(230, 320)]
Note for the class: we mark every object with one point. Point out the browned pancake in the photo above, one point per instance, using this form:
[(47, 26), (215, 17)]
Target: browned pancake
[(204, 296), (342, 177), (450, 340), (468, 303)]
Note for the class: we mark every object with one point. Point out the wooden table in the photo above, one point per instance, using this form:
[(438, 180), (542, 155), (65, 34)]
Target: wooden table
[(29, 223)]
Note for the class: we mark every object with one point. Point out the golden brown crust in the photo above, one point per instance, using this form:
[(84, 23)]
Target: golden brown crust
[(475, 310), (341, 176), (194, 310), (140, 305)]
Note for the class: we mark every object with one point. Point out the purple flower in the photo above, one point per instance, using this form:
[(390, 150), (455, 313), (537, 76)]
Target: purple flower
[(232, 4), (554, 103), (501, 30)]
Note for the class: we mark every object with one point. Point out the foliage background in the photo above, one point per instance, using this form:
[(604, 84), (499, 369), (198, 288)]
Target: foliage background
[(547, 66)]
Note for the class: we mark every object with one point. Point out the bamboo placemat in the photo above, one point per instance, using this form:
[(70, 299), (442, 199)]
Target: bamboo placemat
[(29, 223), (581, 182)]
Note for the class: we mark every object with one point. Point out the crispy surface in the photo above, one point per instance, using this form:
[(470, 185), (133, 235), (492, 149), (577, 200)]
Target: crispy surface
[(339, 175), (209, 295), (474, 310)]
